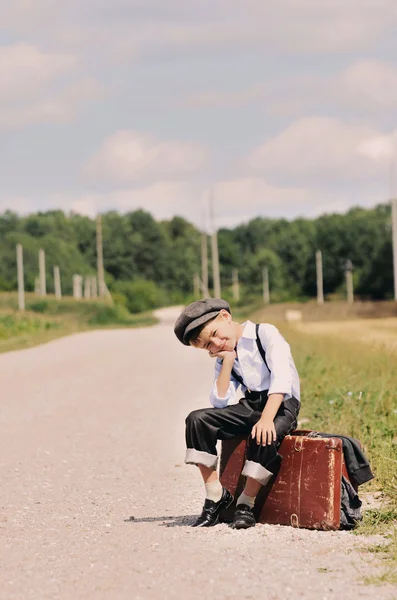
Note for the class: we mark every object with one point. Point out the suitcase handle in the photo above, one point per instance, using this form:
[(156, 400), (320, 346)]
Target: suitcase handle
[(299, 444)]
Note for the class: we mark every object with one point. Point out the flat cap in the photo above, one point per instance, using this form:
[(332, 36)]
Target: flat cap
[(196, 314)]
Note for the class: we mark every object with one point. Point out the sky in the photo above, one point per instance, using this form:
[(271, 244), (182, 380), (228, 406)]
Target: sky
[(274, 109)]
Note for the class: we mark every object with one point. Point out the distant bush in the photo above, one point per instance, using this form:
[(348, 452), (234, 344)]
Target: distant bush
[(120, 299), (41, 306), (141, 295), (109, 314)]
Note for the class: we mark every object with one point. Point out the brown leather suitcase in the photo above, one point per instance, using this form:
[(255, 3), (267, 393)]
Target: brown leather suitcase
[(307, 489)]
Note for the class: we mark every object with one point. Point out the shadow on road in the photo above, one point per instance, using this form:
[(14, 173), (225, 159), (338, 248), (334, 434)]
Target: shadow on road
[(180, 521)]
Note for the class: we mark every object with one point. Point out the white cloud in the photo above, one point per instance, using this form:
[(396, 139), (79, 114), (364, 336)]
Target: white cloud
[(317, 150), (127, 156), (367, 87), (24, 69), (368, 83), (52, 107), (164, 199), (235, 201), (39, 87), (139, 28)]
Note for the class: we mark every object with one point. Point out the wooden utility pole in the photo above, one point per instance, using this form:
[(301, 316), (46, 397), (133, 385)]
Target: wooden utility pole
[(319, 272), (77, 286), (394, 230), (99, 253), (196, 286), (266, 290), (204, 263), (236, 286), (57, 282), (214, 248), (349, 282), (43, 289), (21, 284), (87, 287), (94, 287)]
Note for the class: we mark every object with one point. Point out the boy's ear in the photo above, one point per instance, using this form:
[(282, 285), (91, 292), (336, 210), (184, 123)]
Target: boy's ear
[(225, 315)]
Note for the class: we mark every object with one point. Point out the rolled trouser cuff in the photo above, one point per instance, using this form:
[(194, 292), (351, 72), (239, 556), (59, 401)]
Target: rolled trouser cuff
[(198, 457), (256, 471)]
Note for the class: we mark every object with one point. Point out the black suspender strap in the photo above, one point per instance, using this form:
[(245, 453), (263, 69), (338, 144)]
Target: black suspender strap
[(237, 377), (261, 352), (260, 347)]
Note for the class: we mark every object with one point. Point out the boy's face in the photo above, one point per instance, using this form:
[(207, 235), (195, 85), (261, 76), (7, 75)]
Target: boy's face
[(218, 335)]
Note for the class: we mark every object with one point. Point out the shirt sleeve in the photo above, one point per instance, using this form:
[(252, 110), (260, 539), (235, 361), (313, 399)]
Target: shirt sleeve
[(278, 354), (215, 399)]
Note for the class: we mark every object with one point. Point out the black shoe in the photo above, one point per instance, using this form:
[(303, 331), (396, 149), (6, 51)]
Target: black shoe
[(212, 510), (243, 517)]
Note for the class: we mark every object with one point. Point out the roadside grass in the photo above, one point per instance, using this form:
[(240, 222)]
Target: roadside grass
[(48, 318), (350, 388)]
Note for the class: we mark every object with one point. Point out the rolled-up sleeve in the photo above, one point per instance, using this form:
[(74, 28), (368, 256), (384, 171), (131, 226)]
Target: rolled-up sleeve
[(278, 354), (215, 399)]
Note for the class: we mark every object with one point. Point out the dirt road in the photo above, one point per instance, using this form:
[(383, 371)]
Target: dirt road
[(92, 432)]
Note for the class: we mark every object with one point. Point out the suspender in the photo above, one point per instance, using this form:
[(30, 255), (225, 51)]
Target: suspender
[(261, 352), (237, 377), (260, 347)]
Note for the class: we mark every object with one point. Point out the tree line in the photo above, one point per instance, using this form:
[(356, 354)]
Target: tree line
[(149, 263)]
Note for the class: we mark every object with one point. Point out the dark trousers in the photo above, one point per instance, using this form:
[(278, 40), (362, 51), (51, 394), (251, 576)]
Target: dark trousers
[(204, 427)]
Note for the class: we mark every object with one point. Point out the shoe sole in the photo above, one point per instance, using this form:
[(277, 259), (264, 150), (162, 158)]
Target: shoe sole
[(243, 525)]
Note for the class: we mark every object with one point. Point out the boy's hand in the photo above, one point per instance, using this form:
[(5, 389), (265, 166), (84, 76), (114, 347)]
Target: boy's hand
[(229, 355), (264, 432)]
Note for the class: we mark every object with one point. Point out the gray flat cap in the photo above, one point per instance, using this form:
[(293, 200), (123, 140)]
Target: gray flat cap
[(196, 314)]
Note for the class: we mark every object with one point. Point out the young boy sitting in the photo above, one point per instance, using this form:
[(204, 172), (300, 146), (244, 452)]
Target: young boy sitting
[(258, 358)]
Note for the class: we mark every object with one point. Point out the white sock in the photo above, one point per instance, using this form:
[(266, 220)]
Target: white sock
[(213, 490), (244, 499)]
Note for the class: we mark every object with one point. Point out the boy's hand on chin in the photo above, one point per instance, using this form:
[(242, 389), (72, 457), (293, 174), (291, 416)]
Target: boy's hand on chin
[(224, 355)]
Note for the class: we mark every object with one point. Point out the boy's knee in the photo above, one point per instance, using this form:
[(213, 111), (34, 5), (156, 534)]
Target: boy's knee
[(195, 417)]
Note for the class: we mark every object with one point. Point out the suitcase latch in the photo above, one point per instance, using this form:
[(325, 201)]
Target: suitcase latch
[(294, 520), (332, 444)]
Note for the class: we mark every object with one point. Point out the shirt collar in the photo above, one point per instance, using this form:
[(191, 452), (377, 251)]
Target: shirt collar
[(249, 331)]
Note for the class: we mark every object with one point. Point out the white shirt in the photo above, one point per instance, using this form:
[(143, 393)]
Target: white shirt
[(281, 377)]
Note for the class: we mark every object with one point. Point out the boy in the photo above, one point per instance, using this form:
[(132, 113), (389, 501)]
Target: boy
[(259, 359)]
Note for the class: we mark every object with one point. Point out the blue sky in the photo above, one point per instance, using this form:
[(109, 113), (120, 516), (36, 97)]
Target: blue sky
[(281, 109)]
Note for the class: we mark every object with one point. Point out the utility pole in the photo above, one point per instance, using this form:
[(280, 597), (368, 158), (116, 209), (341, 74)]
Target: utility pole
[(99, 253), (87, 287), (266, 291), (43, 290), (204, 263), (21, 284), (236, 286), (57, 282), (349, 281), (77, 286), (214, 247), (394, 230), (319, 272), (94, 286), (196, 286)]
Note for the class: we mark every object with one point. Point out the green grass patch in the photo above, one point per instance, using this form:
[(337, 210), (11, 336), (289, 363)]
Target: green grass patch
[(13, 325), (48, 318), (350, 388)]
